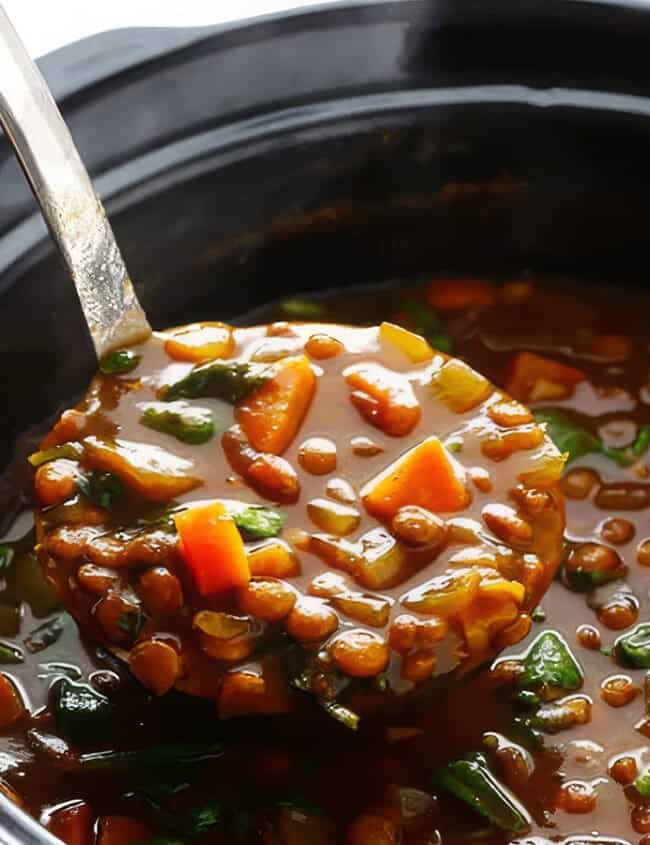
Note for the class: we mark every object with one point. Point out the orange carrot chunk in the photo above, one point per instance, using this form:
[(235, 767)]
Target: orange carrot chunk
[(213, 548), (534, 378), (271, 415), (426, 475), (73, 824), (455, 294), (383, 398)]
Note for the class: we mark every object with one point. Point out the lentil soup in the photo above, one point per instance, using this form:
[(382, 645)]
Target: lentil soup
[(345, 537)]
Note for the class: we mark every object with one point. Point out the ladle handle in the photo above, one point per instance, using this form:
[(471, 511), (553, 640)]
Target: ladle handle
[(62, 187)]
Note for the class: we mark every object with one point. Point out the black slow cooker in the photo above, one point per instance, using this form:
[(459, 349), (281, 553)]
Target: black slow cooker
[(315, 150)]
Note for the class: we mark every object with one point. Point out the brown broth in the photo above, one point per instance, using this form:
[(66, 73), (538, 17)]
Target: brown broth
[(309, 758)]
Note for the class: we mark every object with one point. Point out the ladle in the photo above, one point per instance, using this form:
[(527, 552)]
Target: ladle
[(72, 210)]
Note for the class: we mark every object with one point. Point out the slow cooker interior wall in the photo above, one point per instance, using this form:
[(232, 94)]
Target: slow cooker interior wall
[(356, 202)]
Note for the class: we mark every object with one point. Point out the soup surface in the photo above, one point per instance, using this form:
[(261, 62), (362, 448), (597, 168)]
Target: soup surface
[(550, 741)]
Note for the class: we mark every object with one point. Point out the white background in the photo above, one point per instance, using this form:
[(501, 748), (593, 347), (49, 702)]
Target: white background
[(45, 25)]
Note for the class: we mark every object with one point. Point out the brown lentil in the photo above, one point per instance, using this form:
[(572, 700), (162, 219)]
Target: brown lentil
[(624, 770), (360, 653), (578, 483), (317, 455), (311, 620), (416, 526), (156, 665), (322, 346), (617, 531), (588, 637), (577, 797), (643, 552), (267, 600), (618, 690)]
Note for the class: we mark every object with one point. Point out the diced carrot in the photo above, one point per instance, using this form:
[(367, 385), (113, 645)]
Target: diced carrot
[(213, 548), (11, 705), (156, 474), (455, 294), (120, 830), (535, 378), (71, 425), (73, 824), (383, 398), (271, 415), (200, 342), (412, 345), (484, 619), (426, 475)]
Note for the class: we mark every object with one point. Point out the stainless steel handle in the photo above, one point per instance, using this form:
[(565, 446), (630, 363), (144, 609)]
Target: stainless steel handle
[(62, 187)]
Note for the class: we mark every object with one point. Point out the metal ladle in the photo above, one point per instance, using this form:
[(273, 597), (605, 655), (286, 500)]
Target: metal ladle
[(72, 210)]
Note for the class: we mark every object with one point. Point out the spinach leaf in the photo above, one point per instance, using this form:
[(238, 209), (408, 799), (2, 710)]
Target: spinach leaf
[(470, 780), (10, 654), (569, 436), (102, 488), (120, 361), (6, 556), (46, 634), (71, 451), (303, 309), (634, 647), (230, 382), (342, 714), (549, 664), (425, 321), (259, 522), (154, 758), (81, 713), (642, 783), (183, 421), (130, 623)]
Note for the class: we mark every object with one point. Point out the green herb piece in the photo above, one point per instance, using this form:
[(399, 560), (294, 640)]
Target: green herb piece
[(10, 654), (634, 647), (102, 488), (150, 759), (230, 382), (130, 623), (342, 714), (46, 634), (205, 818), (67, 670), (550, 665), (425, 321), (183, 421), (569, 436), (71, 451), (523, 733), (120, 361), (538, 614), (30, 583), (642, 783), (528, 700), (303, 309), (259, 522), (6, 556), (470, 780), (607, 650), (81, 713)]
